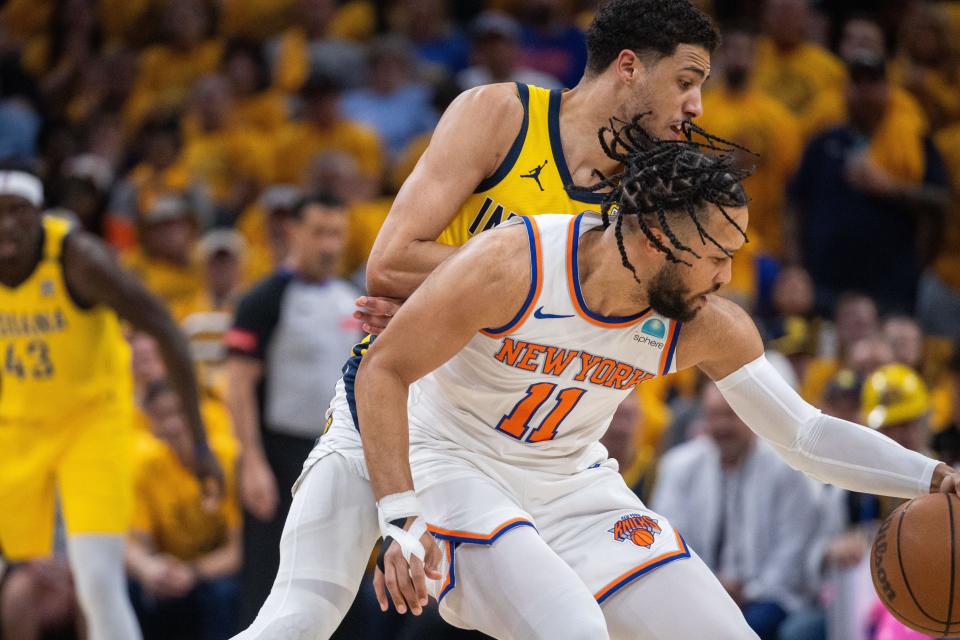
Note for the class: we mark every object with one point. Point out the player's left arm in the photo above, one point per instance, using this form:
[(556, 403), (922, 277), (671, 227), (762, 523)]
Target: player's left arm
[(724, 342), (94, 276)]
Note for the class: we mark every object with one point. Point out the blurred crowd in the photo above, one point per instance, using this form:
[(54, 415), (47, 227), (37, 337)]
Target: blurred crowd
[(184, 132)]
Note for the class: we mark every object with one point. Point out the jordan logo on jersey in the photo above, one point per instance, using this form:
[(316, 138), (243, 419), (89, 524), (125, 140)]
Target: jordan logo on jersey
[(535, 174), (639, 529)]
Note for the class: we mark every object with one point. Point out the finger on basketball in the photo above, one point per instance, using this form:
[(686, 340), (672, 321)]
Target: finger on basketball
[(380, 590), (390, 575), (419, 579), (406, 585)]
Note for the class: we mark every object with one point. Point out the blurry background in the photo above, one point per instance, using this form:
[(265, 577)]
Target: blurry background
[(183, 131)]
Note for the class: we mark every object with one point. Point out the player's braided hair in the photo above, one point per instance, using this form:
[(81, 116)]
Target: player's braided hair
[(663, 178)]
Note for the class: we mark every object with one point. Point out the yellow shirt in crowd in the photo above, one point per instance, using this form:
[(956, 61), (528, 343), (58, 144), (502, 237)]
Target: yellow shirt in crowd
[(796, 77), (767, 128), (174, 284), (298, 142), (222, 160), (167, 494), (165, 77), (947, 263)]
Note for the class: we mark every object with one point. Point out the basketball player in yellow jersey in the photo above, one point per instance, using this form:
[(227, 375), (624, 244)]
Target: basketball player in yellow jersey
[(506, 149), (66, 399)]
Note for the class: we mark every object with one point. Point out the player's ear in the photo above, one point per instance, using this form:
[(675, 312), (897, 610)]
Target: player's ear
[(629, 67)]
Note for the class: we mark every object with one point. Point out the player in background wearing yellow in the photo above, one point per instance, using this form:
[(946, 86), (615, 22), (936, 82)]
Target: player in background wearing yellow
[(66, 399), (498, 150)]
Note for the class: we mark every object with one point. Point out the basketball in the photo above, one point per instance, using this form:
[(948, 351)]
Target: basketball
[(915, 567), (642, 537)]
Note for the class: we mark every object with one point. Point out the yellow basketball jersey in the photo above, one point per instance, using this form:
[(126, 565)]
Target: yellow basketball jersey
[(532, 179), (57, 357)]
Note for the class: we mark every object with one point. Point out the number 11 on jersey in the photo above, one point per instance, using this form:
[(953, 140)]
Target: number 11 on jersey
[(517, 423)]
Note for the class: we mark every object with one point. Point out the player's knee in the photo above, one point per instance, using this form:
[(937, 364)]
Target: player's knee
[(298, 615)]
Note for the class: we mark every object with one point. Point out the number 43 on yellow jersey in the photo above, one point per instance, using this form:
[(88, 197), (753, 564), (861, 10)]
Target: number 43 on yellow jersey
[(33, 361)]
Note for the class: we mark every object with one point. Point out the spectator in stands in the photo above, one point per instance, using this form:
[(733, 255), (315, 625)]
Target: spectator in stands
[(256, 105), (946, 443), (263, 227), (394, 103), (165, 259), (621, 440), (324, 129), (906, 338), (863, 36), (183, 555), (550, 42), (157, 146), (438, 42), (867, 178), (855, 318), (206, 320), (939, 299), (20, 119), (309, 48), (790, 67), (495, 52), (926, 64), (747, 513), (167, 71), (227, 161), (737, 111), (286, 347)]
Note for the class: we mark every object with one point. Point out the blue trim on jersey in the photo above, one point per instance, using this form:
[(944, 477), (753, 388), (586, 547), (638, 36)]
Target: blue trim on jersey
[(535, 278), (553, 125), (575, 276), (673, 346), (349, 371), (511, 158), (633, 576), (451, 573)]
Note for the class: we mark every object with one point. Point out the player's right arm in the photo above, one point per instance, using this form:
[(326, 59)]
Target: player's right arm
[(468, 144), (481, 286)]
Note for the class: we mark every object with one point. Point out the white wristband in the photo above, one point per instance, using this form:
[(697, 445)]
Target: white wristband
[(400, 506)]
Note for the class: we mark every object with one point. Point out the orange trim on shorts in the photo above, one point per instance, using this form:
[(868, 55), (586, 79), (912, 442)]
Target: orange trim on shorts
[(479, 538), (622, 580)]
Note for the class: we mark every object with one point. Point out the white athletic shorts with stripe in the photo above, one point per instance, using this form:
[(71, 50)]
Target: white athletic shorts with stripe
[(591, 519)]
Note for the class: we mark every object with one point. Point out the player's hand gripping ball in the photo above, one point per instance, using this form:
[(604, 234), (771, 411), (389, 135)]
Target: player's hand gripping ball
[(915, 564)]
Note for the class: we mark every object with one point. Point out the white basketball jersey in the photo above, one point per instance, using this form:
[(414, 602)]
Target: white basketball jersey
[(540, 391)]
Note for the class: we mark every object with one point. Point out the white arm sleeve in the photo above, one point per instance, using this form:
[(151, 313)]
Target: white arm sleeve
[(826, 448)]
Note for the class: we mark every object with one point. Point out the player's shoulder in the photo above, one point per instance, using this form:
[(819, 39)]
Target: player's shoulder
[(497, 99), (721, 329), (500, 254)]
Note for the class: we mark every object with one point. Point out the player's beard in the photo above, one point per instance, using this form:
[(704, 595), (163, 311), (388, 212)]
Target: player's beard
[(669, 296)]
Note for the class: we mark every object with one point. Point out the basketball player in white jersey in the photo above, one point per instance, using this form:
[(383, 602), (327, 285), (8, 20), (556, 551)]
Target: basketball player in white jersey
[(515, 354)]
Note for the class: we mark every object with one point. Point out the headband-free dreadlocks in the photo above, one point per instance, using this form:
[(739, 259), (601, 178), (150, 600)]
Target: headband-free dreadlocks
[(668, 176)]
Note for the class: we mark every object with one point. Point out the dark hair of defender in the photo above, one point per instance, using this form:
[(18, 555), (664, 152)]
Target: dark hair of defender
[(646, 26), (662, 177)]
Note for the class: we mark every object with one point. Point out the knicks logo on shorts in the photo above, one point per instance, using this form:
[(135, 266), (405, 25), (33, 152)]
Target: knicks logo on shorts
[(641, 530)]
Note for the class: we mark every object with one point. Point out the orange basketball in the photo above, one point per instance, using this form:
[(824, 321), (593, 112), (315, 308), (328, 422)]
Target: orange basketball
[(642, 537), (916, 566)]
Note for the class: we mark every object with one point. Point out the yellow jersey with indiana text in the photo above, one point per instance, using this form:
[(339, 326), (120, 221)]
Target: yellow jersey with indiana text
[(56, 356), (533, 178)]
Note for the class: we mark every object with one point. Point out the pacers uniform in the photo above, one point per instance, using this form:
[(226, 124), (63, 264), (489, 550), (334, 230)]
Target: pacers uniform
[(532, 179), (66, 405)]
